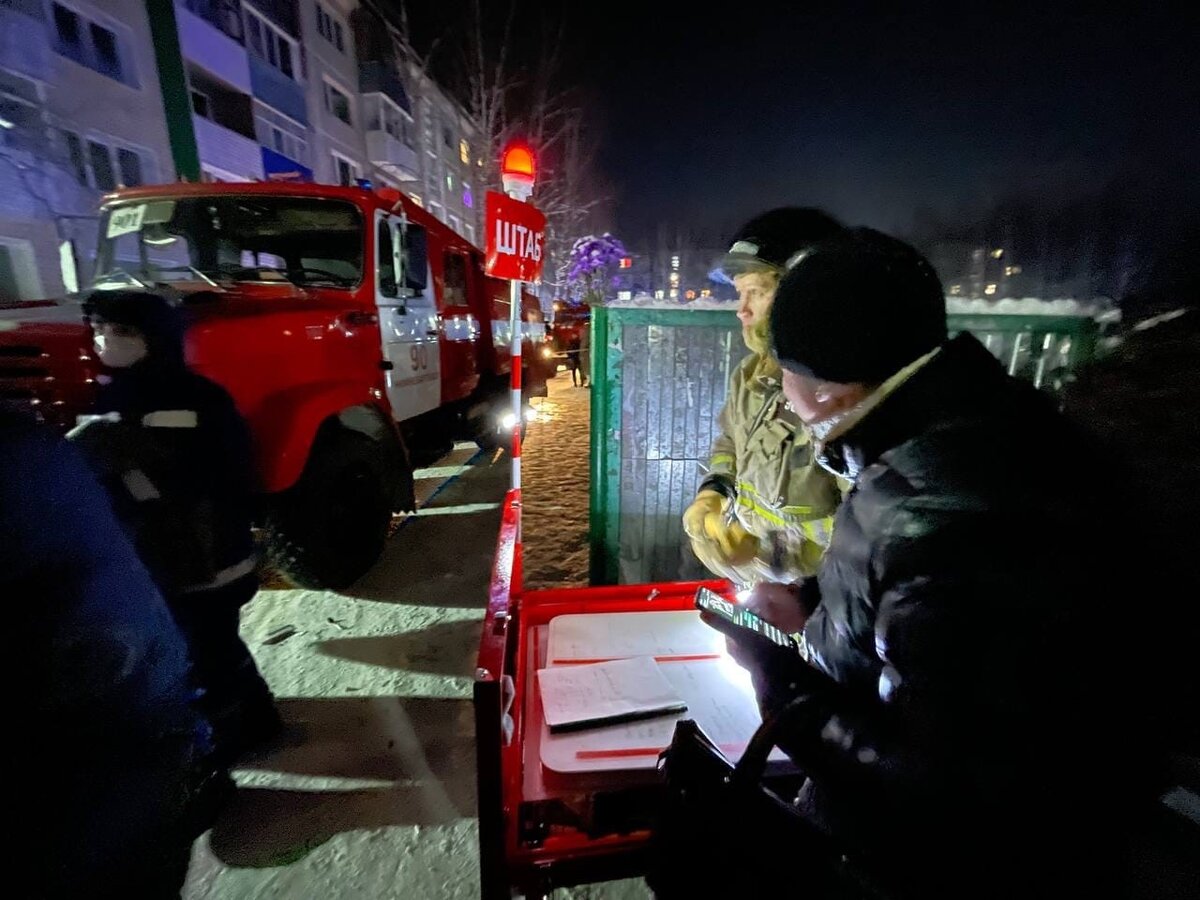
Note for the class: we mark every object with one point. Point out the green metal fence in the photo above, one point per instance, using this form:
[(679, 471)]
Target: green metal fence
[(659, 378)]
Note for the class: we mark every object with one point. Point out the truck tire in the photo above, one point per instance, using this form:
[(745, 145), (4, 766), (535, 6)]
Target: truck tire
[(329, 528)]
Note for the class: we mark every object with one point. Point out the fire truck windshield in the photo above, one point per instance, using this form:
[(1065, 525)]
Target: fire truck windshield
[(230, 238)]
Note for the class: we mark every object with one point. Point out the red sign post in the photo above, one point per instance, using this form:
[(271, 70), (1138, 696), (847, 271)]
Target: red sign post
[(516, 236)]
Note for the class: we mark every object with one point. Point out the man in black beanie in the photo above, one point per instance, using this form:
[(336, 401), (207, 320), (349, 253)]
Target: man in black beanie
[(971, 748)]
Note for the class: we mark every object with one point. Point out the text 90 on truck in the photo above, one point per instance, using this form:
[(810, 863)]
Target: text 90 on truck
[(355, 332)]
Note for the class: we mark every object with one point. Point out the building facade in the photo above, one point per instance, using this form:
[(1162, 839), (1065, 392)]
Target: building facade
[(95, 95), (80, 114)]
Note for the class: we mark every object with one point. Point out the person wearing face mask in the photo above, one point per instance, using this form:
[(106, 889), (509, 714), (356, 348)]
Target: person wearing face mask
[(175, 456), (981, 741), (763, 512)]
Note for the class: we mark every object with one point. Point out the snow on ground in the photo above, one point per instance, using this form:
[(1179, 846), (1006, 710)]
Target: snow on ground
[(555, 476), (371, 793)]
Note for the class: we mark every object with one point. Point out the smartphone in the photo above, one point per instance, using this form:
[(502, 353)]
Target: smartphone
[(734, 620)]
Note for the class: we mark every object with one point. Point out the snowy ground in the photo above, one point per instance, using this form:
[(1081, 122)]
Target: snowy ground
[(372, 792)]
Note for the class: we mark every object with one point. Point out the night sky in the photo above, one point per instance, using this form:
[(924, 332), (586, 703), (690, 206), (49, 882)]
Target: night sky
[(708, 118)]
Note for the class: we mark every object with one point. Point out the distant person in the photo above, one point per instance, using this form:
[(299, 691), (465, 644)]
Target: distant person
[(764, 510), (988, 740), (113, 763), (175, 456), (573, 360), (585, 351)]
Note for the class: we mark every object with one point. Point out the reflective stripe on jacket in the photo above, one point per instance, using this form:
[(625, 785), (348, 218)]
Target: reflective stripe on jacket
[(764, 461)]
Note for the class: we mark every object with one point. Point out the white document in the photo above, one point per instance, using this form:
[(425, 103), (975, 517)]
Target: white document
[(616, 691), (720, 699), (593, 637)]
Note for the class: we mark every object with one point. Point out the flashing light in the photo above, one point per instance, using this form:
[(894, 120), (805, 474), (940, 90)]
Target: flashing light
[(518, 170)]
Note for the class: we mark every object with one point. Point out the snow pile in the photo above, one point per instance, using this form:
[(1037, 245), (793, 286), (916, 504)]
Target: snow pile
[(645, 301), (1029, 306)]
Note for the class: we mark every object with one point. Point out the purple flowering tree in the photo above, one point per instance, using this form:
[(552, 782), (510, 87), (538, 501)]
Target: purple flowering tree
[(591, 263)]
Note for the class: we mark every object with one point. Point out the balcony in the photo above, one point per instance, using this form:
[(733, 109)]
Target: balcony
[(392, 155), (382, 78), (211, 46), (223, 149), (277, 90)]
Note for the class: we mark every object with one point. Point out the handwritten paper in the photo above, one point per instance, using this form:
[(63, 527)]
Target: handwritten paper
[(618, 691), (671, 634)]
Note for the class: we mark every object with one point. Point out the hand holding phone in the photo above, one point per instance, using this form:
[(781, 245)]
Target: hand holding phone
[(739, 623)]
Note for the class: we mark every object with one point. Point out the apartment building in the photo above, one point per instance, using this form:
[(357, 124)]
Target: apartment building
[(76, 81)]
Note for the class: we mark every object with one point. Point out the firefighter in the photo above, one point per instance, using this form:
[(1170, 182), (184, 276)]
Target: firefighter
[(175, 456), (764, 510)]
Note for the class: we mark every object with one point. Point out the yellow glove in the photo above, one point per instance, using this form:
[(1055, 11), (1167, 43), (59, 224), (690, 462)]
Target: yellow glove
[(732, 544), (706, 503)]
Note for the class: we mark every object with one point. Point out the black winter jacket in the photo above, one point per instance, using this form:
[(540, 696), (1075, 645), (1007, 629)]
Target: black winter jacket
[(109, 743), (199, 525), (970, 606)]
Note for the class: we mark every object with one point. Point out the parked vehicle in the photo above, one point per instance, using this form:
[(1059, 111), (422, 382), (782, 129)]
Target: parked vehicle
[(357, 334)]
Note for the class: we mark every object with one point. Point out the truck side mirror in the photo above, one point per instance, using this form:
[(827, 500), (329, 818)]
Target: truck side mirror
[(68, 267)]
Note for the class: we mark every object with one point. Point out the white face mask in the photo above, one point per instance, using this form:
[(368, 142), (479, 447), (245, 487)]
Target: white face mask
[(119, 351)]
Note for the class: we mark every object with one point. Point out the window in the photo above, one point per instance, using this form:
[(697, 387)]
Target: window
[(75, 154), (455, 272), (102, 168), (455, 224), (470, 232), (447, 137), (464, 152), (430, 130), (279, 134), (416, 198), (337, 102), (108, 60), (269, 43), (89, 43), (201, 105), (130, 165), (344, 171), (330, 28), (216, 233), (66, 23), (386, 260)]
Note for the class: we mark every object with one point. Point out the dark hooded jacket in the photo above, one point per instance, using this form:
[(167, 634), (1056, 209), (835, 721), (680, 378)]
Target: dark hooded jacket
[(178, 463)]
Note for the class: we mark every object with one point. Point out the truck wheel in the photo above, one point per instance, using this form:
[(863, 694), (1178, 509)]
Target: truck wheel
[(329, 528)]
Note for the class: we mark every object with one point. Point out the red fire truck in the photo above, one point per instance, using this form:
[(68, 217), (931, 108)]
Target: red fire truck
[(355, 332)]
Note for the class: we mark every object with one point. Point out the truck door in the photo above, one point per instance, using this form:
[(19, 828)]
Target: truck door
[(408, 317)]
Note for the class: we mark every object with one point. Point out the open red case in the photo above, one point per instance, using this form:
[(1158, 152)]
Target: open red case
[(537, 831)]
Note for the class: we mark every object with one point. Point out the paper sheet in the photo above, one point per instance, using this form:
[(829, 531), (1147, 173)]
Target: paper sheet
[(720, 698), (600, 636), (622, 688)]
